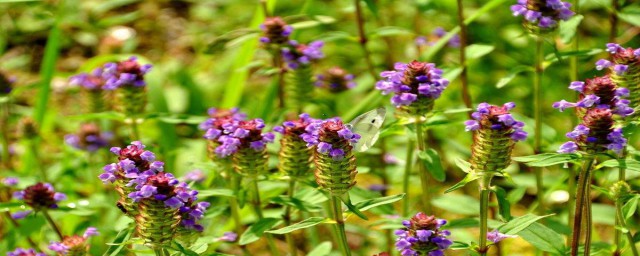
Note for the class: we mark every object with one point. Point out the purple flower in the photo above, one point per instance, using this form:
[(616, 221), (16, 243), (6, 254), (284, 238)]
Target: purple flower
[(25, 252), (296, 55), (21, 214), (588, 101), (568, 147), (406, 79), (228, 237), (613, 48), (495, 236), (10, 181), (602, 64), (422, 236), (620, 69), (91, 231), (492, 114), (196, 176), (577, 86)]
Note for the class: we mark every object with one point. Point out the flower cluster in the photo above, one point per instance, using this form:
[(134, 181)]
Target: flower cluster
[(600, 100), (294, 156), (335, 164), (335, 80), (436, 35), (297, 54), (74, 245), (415, 85), (218, 130), (25, 252), (330, 137), (134, 161), (624, 66), (90, 81), (422, 236), (124, 73), (243, 134), (6, 84), (40, 196), (88, 138), (276, 31), (495, 132), (542, 15)]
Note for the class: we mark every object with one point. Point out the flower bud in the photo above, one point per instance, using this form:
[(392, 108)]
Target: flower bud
[(333, 154), (415, 85), (494, 135), (40, 196), (335, 80), (294, 156), (542, 16), (422, 235), (275, 32), (620, 191)]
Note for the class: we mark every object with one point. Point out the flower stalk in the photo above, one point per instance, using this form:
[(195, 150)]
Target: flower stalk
[(582, 209), (407, 174), (362, 39), (464, 81), (537, 135)]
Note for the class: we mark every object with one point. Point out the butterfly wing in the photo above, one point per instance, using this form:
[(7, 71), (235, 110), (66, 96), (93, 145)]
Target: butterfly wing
[(368, 126)]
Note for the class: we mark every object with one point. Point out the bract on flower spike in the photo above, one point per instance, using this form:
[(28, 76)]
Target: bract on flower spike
[(294, 156), (542, 16), (74, 245), (624, 66), (25, 252), (93, 89), (39, 197), (126, 79), (422, 235), (88, 138), (415, 86), (299, 58), (134, 162), (600, 100), (335, 80)]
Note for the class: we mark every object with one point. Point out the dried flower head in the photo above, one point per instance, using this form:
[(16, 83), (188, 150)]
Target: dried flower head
[(335, 164), (276, 31), (88, 138), (40, 196), (25, 252), (415, 86), (600, 100), (335, 80), (495, 132), (74, 245), (422, 235), (542, 16), (294, 156)]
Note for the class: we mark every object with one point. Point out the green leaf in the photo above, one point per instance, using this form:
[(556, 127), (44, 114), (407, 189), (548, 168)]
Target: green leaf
[(8, 206), (543, 238), (389, 31), (352, 208), (296, 203), (375, 202), (518, 224), (476, 51), (322, 249), (255, 231), (463, 165), (630, 164), (315, 21), (503, 203), (431, 161), (47, 70), (371, 4), (547, 159), (120, 241), (469, 178), (216, 192), (631, 15), (310, 222), (568, 28), (186, 252), (456, 203), (512, 74), (630, 207)]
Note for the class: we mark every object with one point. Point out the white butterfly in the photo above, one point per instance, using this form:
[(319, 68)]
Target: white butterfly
[(367, 126)]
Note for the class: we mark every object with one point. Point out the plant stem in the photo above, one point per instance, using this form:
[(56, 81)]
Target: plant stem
[(36, 158), (363, 40), (424, 176), (257, 208), (537, 101), (336, 207), (158, 251), (584, 182), (53, 224), (622, 169), (135, 135), (629, 237), (293, 251), (407, 173), (464, 81), (277, 64), (4, 128), (613, 20), (235, 180), (484, 216), (574, 77)]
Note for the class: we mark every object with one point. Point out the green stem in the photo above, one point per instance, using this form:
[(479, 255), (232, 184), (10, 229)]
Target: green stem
[(158, 251), (466, 96), (407, 174), (135, 135), (424, 176), (573, 74), (257, 206), (628, 235), (584, 181), (336, 207), (537, 101), (293, 251), (613, 20), (36, 158), (52, 224), (484, 216), (619, 221), (4, 128), (277, 64), (362, 38), (235, 180)]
